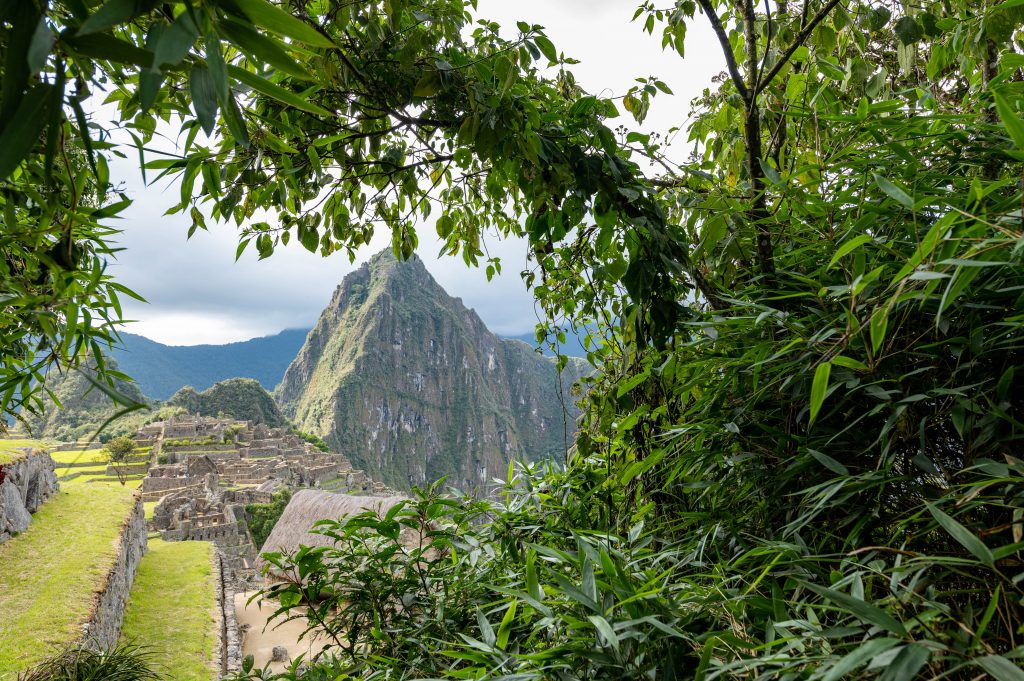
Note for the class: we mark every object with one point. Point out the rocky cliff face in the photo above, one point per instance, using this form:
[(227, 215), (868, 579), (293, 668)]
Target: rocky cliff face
[(411, 385), (25, 483)]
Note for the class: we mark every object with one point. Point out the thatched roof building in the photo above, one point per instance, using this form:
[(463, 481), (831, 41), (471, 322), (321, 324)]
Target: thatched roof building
[(307, 507)]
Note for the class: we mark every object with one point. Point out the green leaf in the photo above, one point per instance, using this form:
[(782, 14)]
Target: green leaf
[(907, 663), (1011, 120), (908, 30), (262, 48), (236, 124), (829, 463), (204, 97), (879, 325), (109, 48), (39, 48), (859, 656), (602, 625), (218, 70), (1009, 4), (997, 666), (547, 48), (965, 537), (849, 363), (112, 13), (819, 386), (850, 246), (428, 85), (861, 609), (505, 628), (277, 92), (175, 42), (276, 20), (895, 192), (21, 134)]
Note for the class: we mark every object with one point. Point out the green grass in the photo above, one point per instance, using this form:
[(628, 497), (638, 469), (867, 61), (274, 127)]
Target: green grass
[(148, 507), (89, 455), (50, 572), (171, 609), (9, 449)]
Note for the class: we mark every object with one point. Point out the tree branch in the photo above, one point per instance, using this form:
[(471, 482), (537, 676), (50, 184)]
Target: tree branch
[(797, 42), (723, 40)]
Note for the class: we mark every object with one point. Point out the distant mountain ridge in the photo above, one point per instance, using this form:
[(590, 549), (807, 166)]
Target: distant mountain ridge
[(161, 370), (411, 385)]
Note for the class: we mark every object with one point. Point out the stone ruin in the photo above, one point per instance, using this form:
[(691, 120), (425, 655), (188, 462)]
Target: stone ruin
[(212, 468)]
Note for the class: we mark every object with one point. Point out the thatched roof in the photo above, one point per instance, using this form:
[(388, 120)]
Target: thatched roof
[(308, 506)]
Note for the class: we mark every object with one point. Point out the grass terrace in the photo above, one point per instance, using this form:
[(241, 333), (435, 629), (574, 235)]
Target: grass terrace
[(50, 572), (9, 449), (171, 609)]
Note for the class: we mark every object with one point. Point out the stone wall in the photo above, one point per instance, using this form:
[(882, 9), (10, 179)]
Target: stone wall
[(104, 625), (229, 649), (24, 485)]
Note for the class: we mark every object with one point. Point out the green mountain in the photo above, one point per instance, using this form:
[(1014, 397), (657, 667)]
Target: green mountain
[(411, 385), (241, 398), (160, 369), (83, 406)]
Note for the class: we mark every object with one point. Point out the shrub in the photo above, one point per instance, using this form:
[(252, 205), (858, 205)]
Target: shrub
[(119, 450), (123, 662), (261, 518)]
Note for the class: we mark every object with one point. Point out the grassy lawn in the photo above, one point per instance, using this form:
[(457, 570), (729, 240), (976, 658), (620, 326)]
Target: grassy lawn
[(171, 609), (9, 449), (148, 507), (88, 455), (49, 573)]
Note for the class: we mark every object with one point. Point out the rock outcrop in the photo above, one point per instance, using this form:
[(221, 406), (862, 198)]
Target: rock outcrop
[(25, 484), (412, 387)]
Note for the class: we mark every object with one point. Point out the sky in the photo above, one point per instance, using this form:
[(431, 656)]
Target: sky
[(196, 292)]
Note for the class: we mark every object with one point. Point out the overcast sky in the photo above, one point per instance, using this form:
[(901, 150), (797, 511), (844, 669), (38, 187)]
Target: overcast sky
[(197, 294)]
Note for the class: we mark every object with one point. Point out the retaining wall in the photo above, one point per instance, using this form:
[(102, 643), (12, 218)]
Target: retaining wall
[(103, 627), (24, 485)]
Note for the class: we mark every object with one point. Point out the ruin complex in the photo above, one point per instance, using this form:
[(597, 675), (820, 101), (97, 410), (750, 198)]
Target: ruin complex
[(205, 471)]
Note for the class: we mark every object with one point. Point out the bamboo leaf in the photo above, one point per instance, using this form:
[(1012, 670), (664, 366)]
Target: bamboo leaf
[(21, 134), (861, 609), (277, 92), (895, 192), (819, 387), (276, 20), (849, 246), (965, 537)]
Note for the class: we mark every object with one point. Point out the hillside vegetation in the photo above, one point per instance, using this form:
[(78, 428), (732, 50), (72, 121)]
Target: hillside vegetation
[(240, 398)]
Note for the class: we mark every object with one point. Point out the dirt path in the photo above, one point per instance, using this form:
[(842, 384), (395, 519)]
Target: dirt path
[(260, 637)]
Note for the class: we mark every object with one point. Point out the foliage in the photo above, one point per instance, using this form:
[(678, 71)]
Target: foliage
[(170, 608), (74, 407), (821, 445), (261, 518), (239, 398), (799, 454), (314, 440), (118, 451), (123, 662)]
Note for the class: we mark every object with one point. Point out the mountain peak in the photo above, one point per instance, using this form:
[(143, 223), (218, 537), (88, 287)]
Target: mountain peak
[(411, 386)]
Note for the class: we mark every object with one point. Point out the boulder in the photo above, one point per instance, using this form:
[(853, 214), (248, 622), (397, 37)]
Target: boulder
[(279, 654), (14, 517)]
